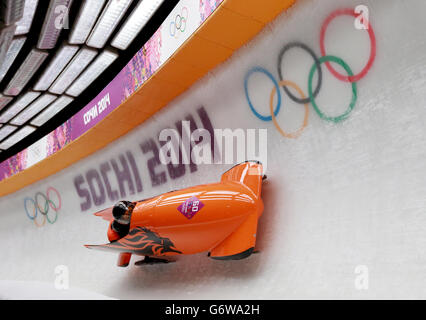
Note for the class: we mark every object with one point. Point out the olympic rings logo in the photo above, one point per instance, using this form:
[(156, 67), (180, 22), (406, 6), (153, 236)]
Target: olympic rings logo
[(312, 93), (34, 206), (179, 23)]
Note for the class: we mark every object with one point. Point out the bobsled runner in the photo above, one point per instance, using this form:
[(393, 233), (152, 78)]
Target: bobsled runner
[(218, 218)]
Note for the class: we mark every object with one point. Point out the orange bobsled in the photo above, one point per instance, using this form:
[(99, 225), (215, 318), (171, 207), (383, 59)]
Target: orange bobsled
[(220, 218)]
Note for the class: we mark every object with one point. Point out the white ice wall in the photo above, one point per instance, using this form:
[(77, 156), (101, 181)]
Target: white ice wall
[(340, 196)]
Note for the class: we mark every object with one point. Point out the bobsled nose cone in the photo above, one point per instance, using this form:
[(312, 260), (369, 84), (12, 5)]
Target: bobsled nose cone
[(105, 214)]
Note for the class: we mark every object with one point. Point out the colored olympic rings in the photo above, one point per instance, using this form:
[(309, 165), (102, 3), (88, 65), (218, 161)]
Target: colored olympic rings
[(270, 76), (312, 93), (354, 90), (179, 24), (274, 119), (357, 77), (38, 206), (317, 63)]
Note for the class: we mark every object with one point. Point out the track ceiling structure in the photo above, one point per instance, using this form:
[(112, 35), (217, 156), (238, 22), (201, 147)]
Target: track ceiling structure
[(56, 55)]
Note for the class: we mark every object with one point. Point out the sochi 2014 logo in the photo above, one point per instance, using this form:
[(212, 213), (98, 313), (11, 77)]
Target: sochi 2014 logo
[(190, 207)]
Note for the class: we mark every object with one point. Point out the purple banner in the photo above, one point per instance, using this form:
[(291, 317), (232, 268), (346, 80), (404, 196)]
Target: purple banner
[(142, 66)]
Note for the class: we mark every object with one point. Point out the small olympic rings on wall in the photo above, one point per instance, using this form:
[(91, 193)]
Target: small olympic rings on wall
[(179, 23), (316, 68), (43, 204)]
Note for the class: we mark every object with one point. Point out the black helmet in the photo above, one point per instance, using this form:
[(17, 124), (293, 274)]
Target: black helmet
[(119, 209)]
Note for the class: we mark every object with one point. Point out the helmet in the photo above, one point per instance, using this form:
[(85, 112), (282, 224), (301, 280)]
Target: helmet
[(120, 209)]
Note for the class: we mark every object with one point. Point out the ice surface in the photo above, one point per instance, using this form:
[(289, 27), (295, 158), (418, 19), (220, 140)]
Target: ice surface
[(339, 199)]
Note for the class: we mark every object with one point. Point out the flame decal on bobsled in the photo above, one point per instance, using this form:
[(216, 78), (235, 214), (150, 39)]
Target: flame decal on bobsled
[(141, 241)]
